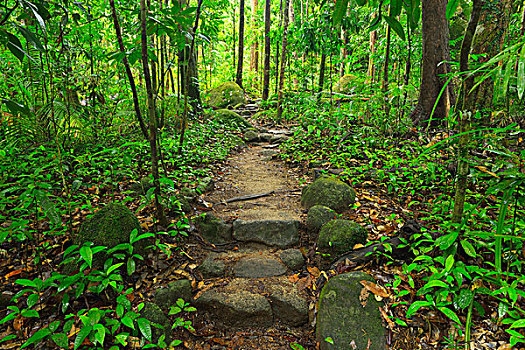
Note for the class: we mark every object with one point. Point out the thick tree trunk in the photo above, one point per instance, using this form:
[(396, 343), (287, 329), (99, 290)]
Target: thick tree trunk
[(238, 78), (283, 61), (151, 114), (266, 70), (129, 74), (435, 32)]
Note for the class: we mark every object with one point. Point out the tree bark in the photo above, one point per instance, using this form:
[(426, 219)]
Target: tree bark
[(435, 33), (266, 70), (238, 78), (151, 114), (254, 57), (129, 74), (322, 66), (283, 61), (372, 46)]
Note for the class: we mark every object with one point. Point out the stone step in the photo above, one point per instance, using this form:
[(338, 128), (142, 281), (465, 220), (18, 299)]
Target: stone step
[(273, 233), (251, 263), (245, 303)]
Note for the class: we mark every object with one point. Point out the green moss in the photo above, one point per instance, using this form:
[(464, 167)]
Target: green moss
[(227, 94), (318, 215), (329, 192), (109, 226), (231, 118), (341, 235)]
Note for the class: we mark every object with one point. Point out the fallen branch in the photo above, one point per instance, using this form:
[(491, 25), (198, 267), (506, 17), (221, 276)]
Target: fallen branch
[(247, 197)]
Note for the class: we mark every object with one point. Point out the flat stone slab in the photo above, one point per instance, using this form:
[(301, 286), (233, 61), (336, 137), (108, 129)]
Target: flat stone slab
[(289, 307), (275, 233), (257, 267), (238, 310)]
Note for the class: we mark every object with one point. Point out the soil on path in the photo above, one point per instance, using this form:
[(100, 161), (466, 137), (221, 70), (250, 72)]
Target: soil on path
[(257, 170)]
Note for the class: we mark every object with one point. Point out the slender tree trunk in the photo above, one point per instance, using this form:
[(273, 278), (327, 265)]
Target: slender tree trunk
[(266, 69), (234, 36), (283, 61), (385, 70), (467, 104), (371, 67), (277, 55), (238, 78), (254, 57), (322, 66), (129, 74), (434, 72), (151, 114)]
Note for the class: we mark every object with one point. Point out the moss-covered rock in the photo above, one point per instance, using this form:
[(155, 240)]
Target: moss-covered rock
[(168, 296), (161, 325), (318, 215), (340, 236), (345, 85), (330, 192), (110, 226), (251, 136), (213, 229), (227, 94), (343, 317), (225, 116)]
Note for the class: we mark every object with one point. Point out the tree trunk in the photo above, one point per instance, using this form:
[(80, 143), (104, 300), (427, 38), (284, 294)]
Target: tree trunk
[(372, 45), (151, 114), (266, 69), (435, 33), (129, 74), (385, 70), (277, 51), (238, 78), (254, 57), (465, 107), (322, 66), (283, 61)]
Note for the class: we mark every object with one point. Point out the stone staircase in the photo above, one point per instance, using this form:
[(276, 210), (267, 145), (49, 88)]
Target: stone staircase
[(252, 285)]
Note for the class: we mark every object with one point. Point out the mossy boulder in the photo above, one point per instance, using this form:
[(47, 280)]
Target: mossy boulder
[(110, 226), (251, 136), (340, 235), (168, 296), (213, 229), (345, 85), (160, 323), (330, 192), (227, 94), (225, 116), (346, 319), (318, 215)]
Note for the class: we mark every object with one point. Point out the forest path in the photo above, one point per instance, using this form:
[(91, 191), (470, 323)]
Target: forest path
[(253, 294)]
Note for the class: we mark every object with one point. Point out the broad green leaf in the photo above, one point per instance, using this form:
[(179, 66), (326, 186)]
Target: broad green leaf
[(32, 300), (464, 298), (452, 5), (131, 266), (521, 73), (30, 37), (360, 2), (395, 7), (518, 324), (82, 334), (503, 308), (87, 254), (339, 11), (416, 306), (375, 23), (100, 334), (144, 327), (30, 313), (468, 248), (506, 78), (127, 321), (37, 15), (15, 46), (396, 26), (450, 314), (446, 241), (435, 283), (61, 340), (39, 335), (449, 263), (26, 282)]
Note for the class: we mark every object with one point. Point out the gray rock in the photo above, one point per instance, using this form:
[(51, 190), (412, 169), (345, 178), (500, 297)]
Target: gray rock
[(268, 153), (340, 236), (265, 137), (251, 136), (318, 215), (293, 258), (229, 117), (189, 193), (227, 94), (153, 313), (206, 185), (342, 317), (257, 267), (277, 139), (329, 192), (168, 296), (212, 267), (214, 230), (278, 233), (238, 310), (141, 187), (289, 307)]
